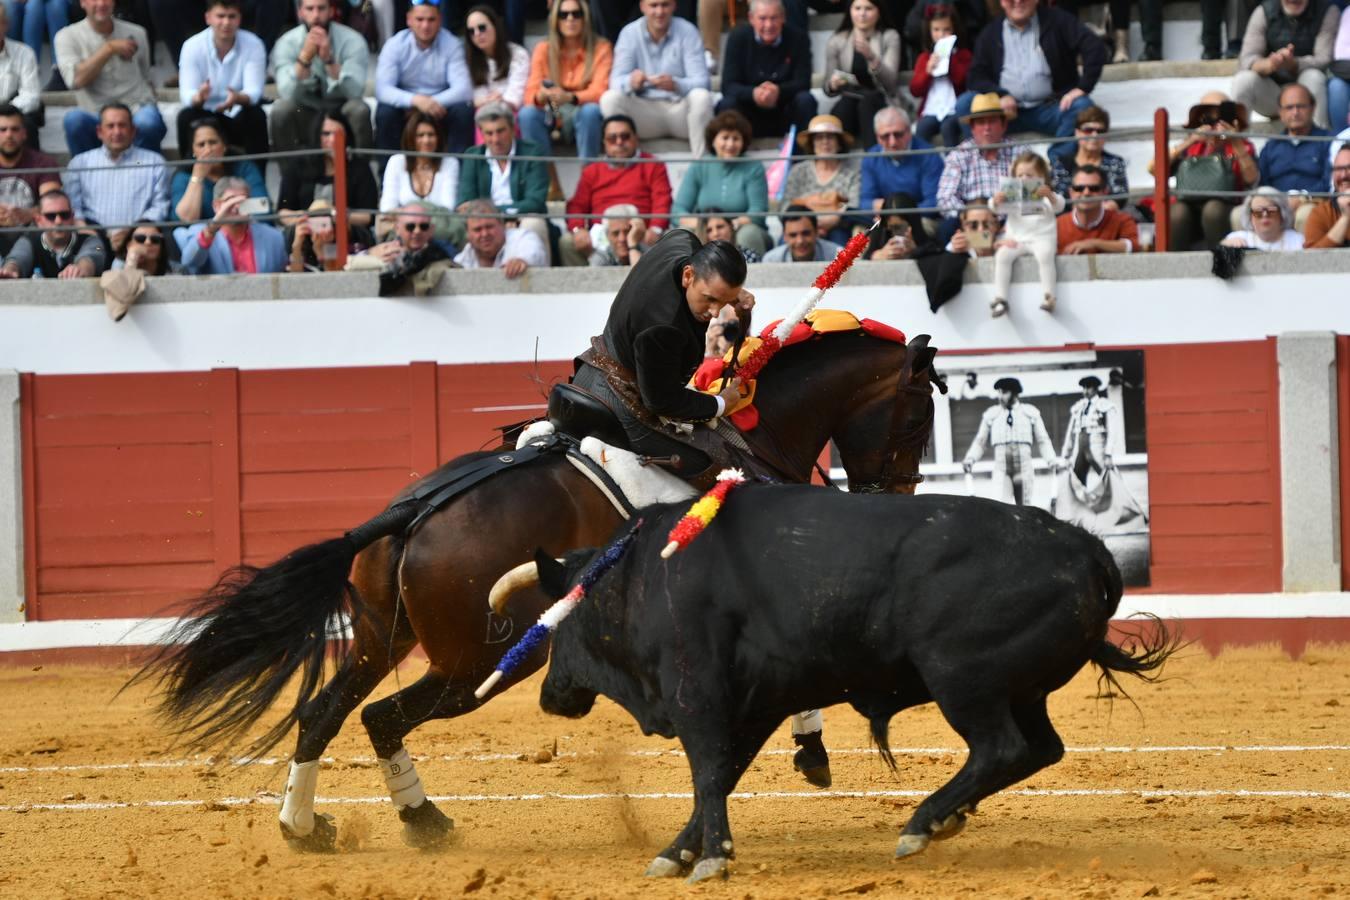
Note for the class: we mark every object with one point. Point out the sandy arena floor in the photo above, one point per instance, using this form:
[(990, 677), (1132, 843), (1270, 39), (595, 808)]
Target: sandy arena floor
[(1233, 780)]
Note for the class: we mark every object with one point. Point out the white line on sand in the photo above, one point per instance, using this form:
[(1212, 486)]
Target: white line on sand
[(680, 795), (206, 761)]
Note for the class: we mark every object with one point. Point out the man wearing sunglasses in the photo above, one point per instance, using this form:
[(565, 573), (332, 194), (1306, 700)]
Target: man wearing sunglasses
[(422, 67), (1012, 426), (56, 252), (413, 260), (611, 181), (1089, 226)]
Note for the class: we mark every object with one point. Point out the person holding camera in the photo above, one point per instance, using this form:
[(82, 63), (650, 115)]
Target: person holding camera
[(1208, 160), (231, 242), (897, 238)]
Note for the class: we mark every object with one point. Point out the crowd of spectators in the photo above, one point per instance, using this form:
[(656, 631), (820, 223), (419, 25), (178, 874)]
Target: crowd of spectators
[(451, 168)]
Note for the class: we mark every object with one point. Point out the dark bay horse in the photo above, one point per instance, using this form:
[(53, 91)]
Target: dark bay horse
[(242, 641)]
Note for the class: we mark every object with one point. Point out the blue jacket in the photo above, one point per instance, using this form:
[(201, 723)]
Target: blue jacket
[(269, 250), (1305, 166), (917, 176)]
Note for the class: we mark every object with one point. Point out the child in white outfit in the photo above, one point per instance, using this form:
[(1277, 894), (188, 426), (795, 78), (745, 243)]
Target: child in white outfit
[(1030, 228)]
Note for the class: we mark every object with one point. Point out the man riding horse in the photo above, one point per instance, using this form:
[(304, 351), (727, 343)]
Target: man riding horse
[(640, 368)]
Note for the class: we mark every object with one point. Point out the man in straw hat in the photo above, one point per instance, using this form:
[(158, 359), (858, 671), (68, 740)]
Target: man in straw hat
[(977, 166), (1030, 59), (1011, 427)]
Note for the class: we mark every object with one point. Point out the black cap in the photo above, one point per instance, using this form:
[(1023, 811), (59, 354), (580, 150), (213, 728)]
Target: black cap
[(1008, 384), (1090, 381)]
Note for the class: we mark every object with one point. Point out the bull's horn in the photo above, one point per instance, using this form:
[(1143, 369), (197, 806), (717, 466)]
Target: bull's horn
[(522, 576)]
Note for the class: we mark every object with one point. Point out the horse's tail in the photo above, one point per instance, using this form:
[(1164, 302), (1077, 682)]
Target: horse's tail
[(239, 643)]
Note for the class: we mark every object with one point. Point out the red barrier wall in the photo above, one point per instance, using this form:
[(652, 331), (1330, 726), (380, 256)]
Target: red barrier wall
[(140, 489)]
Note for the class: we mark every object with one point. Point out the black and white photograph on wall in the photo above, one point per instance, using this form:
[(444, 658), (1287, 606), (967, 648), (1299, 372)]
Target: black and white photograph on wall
[(1061, 430)]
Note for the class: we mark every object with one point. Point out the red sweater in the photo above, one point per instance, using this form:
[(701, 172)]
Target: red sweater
[(956, 71), (603, 185)]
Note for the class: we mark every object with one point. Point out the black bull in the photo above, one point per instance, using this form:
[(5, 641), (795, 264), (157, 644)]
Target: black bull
[(798, 598)]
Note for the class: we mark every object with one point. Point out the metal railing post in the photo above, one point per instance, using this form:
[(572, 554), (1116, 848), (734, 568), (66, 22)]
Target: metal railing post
[(1162, 197), (340, 196)]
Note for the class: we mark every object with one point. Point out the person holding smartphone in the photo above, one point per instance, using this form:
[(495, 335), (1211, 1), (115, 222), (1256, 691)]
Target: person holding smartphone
[(231, 242)]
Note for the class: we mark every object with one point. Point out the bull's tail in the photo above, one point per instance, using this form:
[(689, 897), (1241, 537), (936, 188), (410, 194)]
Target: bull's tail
[(239, 643), (881, 736), (1142, 657)]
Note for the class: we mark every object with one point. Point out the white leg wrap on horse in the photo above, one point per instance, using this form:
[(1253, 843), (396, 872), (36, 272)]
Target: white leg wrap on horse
[(807, 721), (405, 788), (297, 807)]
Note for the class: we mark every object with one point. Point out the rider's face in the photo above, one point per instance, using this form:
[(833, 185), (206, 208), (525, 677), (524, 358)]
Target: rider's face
[(706, 297)]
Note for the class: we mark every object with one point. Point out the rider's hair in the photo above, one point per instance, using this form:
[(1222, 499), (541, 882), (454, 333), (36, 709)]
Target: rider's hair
[(719, 258)]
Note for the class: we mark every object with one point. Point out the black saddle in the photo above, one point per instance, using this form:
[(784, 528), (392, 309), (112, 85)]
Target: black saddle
[(579, 414)]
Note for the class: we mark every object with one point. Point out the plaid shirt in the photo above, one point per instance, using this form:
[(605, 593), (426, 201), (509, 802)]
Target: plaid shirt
[(1020, 424), (966, 174), (136, 188)]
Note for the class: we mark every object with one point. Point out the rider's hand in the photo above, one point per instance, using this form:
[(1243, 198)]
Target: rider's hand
[(731, 394)]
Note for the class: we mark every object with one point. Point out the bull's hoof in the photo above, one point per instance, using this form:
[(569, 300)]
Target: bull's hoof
[(425, 827), (323, 839), (949, 827), (708, 868), (910, 844), (661, 867), (812, 760)]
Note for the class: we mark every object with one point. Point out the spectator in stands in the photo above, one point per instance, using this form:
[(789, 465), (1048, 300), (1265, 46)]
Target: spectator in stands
[(862, 68), (413, 262), (1296, 165), (498, 68), (1091, 226), (1089, 149), (1029, 229), (19, 193), (1030, 59), (623, 231), (917, 176), (313, 240), (726, 180), (1213, 117), (616, 179), (1338, 78), (1328, 225), (569, 72), (1267, 223), (974, 14), (1150, 28), (660, 79), (56, 253), (719, 227), (310, 178), (423, 68), (900, 233), (978, 232), (175, 21), (421, 179), (801, 240), (827, 187), (491, 245), (19, 84), (1287, 41), (938, 93), (1229, 15), (767, 73), (191, 189), (230, 243), (518, 188), (117, 184), (34, 22), (222, 72), (976, 166), (107, 60), (320, 67), (146, 251)]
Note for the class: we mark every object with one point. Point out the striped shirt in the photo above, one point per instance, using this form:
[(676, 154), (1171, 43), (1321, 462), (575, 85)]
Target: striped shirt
[(118, 192), (1026, 72)]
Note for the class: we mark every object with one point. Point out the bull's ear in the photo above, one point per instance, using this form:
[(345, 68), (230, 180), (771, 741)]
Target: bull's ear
[(552, 574)]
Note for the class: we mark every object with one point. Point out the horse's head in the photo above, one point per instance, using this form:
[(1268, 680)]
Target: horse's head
[(895, 468)]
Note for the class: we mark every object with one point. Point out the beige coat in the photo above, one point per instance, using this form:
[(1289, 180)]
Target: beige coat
[(839, 55)]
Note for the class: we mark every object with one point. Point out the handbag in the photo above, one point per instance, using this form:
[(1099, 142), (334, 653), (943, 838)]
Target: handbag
[(1209, 174)]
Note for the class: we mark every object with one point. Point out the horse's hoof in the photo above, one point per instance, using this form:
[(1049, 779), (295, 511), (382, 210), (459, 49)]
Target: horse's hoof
[(812, 760), (323, 839), (664, 868), (910, 844), (949, 827), (708, 868), (425, 827)]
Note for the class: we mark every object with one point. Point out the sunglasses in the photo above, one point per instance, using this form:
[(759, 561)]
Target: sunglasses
[(435, 3), (569, 14), (1087, 188), (619, 137), (1093, 131), (1265, 212), (60, 215), (417, 226), (479, 29), (148, 238)]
